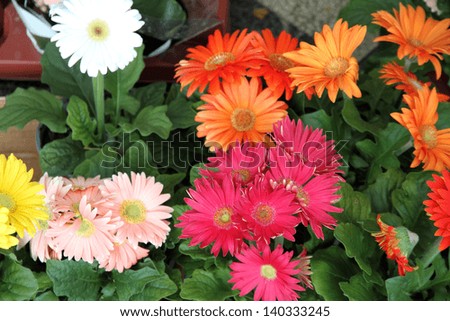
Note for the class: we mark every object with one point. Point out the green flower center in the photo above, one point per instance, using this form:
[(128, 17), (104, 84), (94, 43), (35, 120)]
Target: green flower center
[(133, 212), (8, 202), (268, 272), (242, 174), (302, 197), (429, 135), (222, 217), (86, 228), (264, 214), (98, 30)]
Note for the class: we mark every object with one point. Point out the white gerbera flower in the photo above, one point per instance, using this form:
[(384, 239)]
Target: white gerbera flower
[(99, 32)]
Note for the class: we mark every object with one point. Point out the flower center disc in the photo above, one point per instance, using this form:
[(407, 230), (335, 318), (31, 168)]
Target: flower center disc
[(86, 228), (133, 212), (302, 197), (222, 217), (98, 30), (415, 42), (429, 135), (8, 202), (279, 62), (243, 175), (336, 67), (243, 119), (268, 272), (264, 214), (218, 59)]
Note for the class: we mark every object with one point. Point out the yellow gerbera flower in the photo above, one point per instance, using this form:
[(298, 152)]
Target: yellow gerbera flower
[(6, 240), (20, 196)]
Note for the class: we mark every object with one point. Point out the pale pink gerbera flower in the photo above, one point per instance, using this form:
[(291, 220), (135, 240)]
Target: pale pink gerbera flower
[(55, 190), (138, 203), (82, 183), (314, 194), (86, 235), (213, 218), (243, 162), (71, 201), (269, 213), (271, 274), (311, 146), (123, 256)]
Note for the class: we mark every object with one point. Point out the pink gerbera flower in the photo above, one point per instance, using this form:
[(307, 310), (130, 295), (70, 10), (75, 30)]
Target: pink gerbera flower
[(72, 199), (82, 183), (42, 246), (123, 256), (314, 194), (304, 267), (271, 274), (310, 145), (243, 162), (138, 203), (85, 234), (213, 217), (54, 190), (269, 213)]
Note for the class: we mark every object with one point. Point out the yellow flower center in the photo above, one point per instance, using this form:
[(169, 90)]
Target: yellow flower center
[(133, 212), (243, 174), (336, 67), (302, 197), (98, 30), (264, 214), (429, 135), (222, 217), (280, 62), (8, 202), (243, 119), (218, 59), (415, 42), (86, 228), (268, 272)]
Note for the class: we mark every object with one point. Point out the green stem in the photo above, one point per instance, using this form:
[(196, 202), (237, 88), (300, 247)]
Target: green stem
[(116, 120), (98, 84)]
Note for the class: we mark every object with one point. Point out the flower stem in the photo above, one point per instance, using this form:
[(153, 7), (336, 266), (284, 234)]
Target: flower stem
[(98, 84)]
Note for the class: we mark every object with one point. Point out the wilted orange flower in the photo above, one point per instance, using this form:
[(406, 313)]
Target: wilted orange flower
[(389, 242), (224, 58), (274, 68), (393, 73), (418, 36), (238, 112), (329, 64), (432, 146), (438, 206)]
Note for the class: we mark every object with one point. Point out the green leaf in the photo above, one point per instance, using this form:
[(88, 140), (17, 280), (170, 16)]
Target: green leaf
[(75, 280), (358, 289), (17, 283), (195, 252), (80, 121), (175, 232), (380, 191), (358, 245), (195, 172), (150, 120), (151, 95), (44, 282), (121, 81), (144, 284), (25, 105), (104, 163), (170, 181), (356, 205), (137, 158), (330, 267), (162, 19), (318, 119), (47, 296), (400, 288), (65, 81), (352, 117), (207, 286), (181, 113), (382, 153), (60, 157)]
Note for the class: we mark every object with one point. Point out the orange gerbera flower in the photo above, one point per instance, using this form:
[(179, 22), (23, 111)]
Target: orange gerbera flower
[(392, 243), (393, 73), (432, 146), (224, 58), (418, 36), (274, 68), (329, 64), (238, 112), (438, 207)]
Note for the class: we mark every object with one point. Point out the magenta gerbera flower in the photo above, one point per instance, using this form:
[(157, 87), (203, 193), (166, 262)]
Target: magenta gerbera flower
[(269, 213), (84, 234), (270, 274), (315, 194), (243, 162), (138, 203), (213, 218), (311, 146), (123, 256)]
